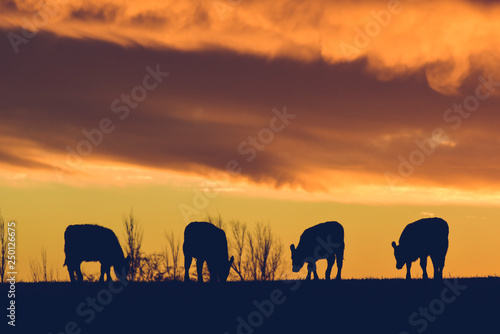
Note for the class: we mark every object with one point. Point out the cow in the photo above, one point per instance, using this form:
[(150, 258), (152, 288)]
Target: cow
[(322, 241), (206, 242), (94, 243), (420, 239)]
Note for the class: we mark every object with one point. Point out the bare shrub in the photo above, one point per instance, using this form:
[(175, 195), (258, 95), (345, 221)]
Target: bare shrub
[(133, 241), (174, 245)]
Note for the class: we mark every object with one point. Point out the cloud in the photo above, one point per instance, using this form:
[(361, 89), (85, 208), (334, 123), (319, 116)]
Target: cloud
[(9, 5), (447, 39), (106, 12), (355, 119), (428, 214), (350, 127)]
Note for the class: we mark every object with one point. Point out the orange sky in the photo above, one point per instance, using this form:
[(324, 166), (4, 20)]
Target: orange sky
[(399, 127)]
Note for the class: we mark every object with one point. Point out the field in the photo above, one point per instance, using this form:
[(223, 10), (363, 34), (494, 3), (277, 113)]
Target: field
[(467, 305)]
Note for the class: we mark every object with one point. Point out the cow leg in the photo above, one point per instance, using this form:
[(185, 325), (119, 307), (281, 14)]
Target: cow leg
[(340, 262), (108, 273), (441, 266), (309, 271), (438, 273), (423, 265), (213, 274), (331, 262), (71, 271), (79, 274), (187, 265), (408, 270), (105, 268), (101, 278), (199, 268), (316, 277), (311, 266), (438, 263)]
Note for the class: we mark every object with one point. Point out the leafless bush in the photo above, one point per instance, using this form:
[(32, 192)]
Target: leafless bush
[(35, 271), (166, 259), (265, 254), (93, 277), (39, 270), (152, 268), (133, 242), (173, 249), (237, 245), (258, 254)]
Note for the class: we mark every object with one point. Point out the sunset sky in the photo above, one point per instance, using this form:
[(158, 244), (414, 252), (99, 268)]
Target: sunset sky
[(371, 113)]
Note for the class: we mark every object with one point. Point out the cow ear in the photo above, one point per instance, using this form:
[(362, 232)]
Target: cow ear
[(231, 260), (393, 244), (292, 247), (127, 259)]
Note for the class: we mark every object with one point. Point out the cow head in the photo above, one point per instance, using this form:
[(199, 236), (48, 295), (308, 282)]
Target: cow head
[(400, 255), (224, 273), (297, 261), (122, 268)]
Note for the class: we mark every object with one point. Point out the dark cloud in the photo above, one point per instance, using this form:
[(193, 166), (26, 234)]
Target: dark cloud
[(8, 5), (105, 12), (149, 19), (347, 120), (16, 159)]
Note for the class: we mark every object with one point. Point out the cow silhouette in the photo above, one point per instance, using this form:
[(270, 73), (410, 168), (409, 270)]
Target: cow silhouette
[(322, 241), (206, 242), (93, 243), (420, 239)]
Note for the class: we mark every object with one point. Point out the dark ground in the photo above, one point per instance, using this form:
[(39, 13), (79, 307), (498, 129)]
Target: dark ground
[(348, 306)]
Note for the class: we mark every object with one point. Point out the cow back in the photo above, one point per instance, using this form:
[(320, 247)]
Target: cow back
[(91, 243), (203, 240), (309, 238), (425, 236)]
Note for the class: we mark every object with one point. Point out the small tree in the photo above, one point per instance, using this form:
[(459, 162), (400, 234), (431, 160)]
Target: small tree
[(174, 246), (3, 249), (133, 242), (264, 262), (238, 243), (257, 255)]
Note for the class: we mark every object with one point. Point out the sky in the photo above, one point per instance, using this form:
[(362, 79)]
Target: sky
[(371, 113)]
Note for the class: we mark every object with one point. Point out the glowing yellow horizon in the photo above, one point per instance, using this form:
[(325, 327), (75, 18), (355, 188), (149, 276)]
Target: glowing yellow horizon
[(369, 228)]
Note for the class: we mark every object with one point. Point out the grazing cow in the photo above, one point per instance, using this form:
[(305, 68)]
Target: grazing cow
[(322, 241), (93, 243), (423, 238), (206, 242)]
